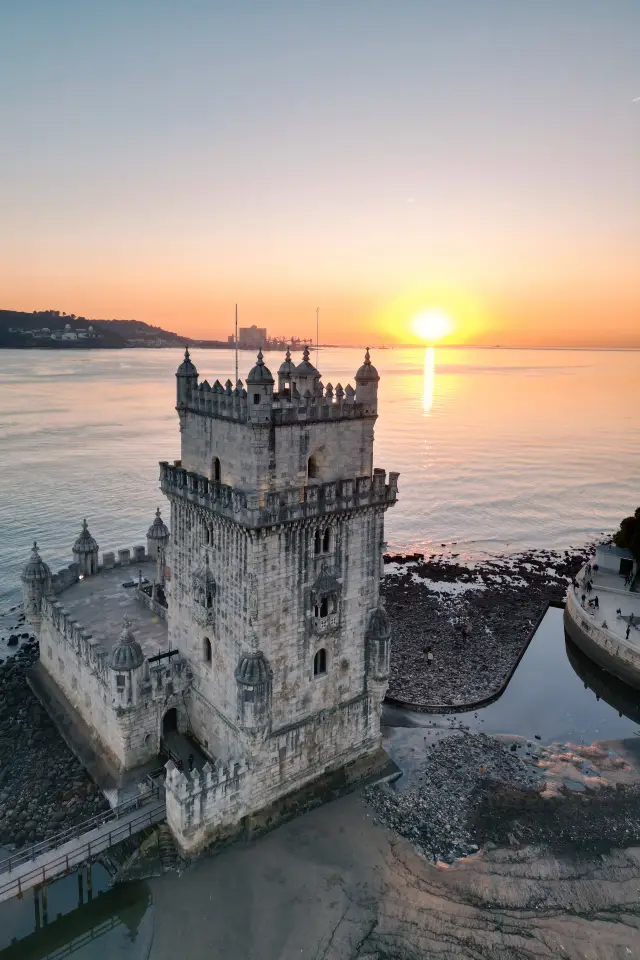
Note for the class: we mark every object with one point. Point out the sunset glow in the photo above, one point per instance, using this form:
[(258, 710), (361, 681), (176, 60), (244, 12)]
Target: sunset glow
[(267, 160), (432, 326)]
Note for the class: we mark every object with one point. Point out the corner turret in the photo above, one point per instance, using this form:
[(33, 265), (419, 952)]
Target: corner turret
[(187, 381), (259, 392), (286, 373), (85, 552), (125, 663), (36, 584), (157, 540), (367, 380), (306, 377)]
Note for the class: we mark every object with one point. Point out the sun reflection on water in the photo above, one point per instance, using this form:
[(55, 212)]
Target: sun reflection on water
[(429, 380)]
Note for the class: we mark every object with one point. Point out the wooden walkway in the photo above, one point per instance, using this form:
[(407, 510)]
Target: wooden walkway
[(62, 853)]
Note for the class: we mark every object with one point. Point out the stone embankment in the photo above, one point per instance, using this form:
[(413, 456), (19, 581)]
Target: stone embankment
[(43, 788), (474, 620)]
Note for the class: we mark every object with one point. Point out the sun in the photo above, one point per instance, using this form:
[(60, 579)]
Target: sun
[(432, 325)]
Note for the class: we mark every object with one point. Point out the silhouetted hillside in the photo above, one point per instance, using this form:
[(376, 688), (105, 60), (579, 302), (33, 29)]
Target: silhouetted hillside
[(50, 329)]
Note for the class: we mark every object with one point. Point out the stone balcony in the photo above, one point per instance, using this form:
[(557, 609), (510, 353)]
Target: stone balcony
[(263, 509)]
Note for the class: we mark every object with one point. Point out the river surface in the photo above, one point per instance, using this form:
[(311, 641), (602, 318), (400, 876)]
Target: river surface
[(498, 450)]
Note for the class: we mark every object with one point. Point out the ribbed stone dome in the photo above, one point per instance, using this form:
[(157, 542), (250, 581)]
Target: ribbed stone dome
[(127, 653), (85, 542), (287, 367), (187, 367), (158, 529), (367, 371), (252, 669), (35, 570), (305, 368), (379, 625), (260, 373)]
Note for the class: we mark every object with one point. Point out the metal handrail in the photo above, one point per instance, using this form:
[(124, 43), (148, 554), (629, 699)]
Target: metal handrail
[(23, 856), (87, 850)]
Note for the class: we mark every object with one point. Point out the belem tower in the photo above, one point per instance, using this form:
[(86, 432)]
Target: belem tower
[(255, 628)]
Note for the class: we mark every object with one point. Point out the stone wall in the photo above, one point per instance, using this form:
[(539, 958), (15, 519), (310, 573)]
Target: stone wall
[(202, 808), (77, 662), (258, 457)]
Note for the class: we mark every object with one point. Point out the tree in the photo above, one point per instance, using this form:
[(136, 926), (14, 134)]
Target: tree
[(628, 536)]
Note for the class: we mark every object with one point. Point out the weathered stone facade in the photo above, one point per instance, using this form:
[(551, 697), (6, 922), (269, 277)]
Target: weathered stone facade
[(277, 654), (277, 517)]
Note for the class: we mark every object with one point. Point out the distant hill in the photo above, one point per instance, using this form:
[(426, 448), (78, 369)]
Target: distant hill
[(50, 329)]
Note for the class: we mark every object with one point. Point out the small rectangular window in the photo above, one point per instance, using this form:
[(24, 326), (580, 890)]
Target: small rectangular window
[(256, 398), (119, 682)]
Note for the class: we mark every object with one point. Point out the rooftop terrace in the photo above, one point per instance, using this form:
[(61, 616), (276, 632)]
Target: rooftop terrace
[(101, 602)]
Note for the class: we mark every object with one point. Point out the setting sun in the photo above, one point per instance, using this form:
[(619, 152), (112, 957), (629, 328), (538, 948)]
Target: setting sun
[(432, 325)]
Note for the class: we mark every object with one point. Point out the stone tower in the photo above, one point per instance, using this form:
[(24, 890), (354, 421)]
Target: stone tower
[(277, 518), (85, 552), (36, 584)]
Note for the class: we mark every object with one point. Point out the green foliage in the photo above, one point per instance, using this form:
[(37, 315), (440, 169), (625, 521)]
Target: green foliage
[(628, 536)]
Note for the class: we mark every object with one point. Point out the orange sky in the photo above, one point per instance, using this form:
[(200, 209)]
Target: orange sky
[(476, 160)]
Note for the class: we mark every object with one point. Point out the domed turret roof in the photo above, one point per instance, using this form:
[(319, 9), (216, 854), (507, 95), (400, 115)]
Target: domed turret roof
[(158, 529), (305, 368), (186, 368), (287, 367), (127, 653), (367, 371), (35, 570), (252, 669), (379, 624), (260, 373), (85, 542)]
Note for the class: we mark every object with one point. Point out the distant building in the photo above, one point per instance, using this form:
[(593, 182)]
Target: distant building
[(252, 338)]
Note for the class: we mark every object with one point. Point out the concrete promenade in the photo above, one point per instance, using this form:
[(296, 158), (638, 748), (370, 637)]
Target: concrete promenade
[(601, 632), (32, 867)]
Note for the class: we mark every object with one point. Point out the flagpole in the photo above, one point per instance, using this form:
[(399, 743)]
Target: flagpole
[(236, 342), (317, 327)]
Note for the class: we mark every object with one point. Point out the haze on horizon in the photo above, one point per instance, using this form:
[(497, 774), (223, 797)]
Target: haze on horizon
[(382, 161)]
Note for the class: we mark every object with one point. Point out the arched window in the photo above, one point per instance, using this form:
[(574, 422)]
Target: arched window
[(326, 541), (215, 470), (324, 607), (206, 650), (317, 542), (320, 663), (312, 468)]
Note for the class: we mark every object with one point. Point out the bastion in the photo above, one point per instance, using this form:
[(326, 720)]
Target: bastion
[(255, 627)]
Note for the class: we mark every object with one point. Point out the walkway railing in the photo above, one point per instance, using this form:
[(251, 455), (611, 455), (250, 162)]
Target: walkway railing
[(55, 867), (58, 839)]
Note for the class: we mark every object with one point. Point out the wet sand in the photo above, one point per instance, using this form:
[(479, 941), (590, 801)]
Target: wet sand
[(336, 885)]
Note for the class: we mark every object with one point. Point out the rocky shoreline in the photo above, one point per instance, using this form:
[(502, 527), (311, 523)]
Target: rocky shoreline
[(44, 789), (459, 630), (473, 791)]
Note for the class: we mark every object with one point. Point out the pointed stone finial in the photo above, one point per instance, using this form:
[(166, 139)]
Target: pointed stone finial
[(288, 354), (305, 354), (34, 550), (367, 358), (186, 352), (158, 517), (260, 358), (85, 528)]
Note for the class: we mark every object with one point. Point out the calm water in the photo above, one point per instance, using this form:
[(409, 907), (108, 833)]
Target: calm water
[(498, 450)]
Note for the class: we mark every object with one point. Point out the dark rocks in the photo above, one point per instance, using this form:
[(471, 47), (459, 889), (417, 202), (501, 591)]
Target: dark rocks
[(37, 769), (476, 622), (438, 809)]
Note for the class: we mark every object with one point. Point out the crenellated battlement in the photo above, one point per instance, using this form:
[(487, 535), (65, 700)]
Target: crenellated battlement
[(200, 801), (254, 509), (289, 406), (84, 645)]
